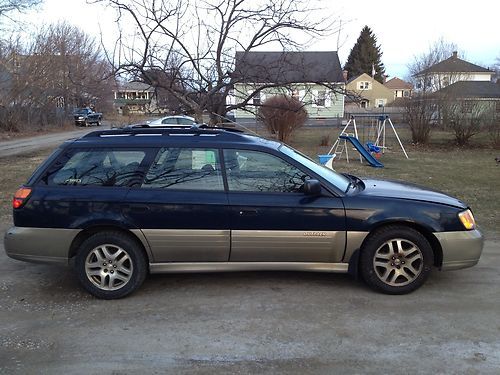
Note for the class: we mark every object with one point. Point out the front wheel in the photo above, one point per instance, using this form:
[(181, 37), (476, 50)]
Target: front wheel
[(396, 260), (110, 265)]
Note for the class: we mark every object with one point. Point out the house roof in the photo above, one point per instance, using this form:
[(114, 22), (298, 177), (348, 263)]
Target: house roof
[(362, 75), (398, 84), (473, 89), (288, 67), (135, 86), (454, 65)]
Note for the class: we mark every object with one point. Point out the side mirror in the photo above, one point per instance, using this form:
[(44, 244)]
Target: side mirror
[(312, 187)]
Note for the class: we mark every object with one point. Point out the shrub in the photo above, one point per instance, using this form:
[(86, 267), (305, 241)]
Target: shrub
[(282, 115), (493, 128), (419, 112), (324, 140), (465, 119)]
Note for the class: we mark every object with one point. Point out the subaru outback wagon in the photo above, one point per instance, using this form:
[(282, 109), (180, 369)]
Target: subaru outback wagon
[(119, 204)]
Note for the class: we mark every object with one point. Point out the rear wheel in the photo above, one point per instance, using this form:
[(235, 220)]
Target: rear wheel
[(396, 260), (110, 265)]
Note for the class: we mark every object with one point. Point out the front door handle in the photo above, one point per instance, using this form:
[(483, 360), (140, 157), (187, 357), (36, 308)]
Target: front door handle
[(138, 208), (248, 212)]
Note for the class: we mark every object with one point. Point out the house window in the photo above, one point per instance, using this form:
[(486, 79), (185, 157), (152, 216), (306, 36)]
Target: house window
[(467, 107), (296, 94), (380, 102), (364, 104), (364, 85), (406, 93), (320, 99), (256, 99)]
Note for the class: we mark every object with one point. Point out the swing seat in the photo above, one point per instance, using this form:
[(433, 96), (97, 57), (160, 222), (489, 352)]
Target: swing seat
[(372, 148)]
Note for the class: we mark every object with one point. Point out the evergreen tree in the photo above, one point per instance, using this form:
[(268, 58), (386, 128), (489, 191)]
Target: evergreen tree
[(365, 56)]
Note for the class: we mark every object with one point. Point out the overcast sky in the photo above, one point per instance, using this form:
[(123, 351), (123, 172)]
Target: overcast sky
[(403, 28)]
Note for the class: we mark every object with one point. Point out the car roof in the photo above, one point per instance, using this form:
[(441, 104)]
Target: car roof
[(195, 136), (175, 116)]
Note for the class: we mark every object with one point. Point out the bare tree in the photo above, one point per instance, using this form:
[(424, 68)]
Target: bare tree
[(8, 6), (423, 110), (496, 69), (40, 83), (195, 42)]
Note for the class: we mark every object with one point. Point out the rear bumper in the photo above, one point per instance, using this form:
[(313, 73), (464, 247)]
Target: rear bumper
[(460, 249), (39, 245)]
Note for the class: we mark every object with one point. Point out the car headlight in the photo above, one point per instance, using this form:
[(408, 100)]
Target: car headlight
[(467, 219)]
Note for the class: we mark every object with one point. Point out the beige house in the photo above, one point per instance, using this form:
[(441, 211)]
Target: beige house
[(364, 91), (400, 88)]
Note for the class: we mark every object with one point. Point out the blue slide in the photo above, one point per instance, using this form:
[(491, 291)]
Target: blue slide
[(369, 158)]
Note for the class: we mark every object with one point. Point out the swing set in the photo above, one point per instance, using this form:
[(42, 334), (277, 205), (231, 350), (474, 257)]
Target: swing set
[(349, 138)]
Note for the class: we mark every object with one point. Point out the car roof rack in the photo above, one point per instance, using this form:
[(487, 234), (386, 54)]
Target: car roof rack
[(144, 129)]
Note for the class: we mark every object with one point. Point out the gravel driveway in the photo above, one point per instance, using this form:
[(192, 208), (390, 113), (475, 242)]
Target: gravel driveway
[(266, 323), (24, 145)]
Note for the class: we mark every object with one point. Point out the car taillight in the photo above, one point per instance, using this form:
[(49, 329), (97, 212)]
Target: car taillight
[(20, 197)]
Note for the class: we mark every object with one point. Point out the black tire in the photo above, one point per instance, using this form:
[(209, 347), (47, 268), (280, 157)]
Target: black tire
[(112, 278), (396, 260)]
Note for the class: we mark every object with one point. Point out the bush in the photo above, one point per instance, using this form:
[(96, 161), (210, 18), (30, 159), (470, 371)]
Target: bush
[(493, 128), (282, 115), (465, 119), (324, 140), (419, 112)]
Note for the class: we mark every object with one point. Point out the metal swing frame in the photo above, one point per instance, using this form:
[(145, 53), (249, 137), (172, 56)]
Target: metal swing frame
[(340, 145)]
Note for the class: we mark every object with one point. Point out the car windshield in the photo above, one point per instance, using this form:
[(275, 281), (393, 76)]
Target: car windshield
[(83, 111), (340, 181)]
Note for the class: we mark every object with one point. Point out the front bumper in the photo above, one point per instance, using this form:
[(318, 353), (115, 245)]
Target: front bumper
[(40, 245), (460, 249)]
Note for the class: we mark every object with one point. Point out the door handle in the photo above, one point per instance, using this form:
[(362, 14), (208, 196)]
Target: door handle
[(138, 208), (248, 212)]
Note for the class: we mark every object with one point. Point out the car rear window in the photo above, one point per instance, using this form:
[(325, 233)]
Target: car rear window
[(97, 167)]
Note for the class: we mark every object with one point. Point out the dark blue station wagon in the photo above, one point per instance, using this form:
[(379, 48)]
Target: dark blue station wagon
[(119, 204)]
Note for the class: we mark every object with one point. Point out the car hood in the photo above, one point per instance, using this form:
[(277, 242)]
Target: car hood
[(404, 190)]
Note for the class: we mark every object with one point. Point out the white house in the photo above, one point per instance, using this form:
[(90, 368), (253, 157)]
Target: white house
[(449, 71)]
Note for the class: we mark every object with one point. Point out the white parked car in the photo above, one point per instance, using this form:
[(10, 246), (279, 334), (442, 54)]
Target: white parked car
[(173, 121)]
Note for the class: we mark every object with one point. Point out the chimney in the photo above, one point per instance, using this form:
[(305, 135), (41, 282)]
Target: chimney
[(455, 54), (344, 74)]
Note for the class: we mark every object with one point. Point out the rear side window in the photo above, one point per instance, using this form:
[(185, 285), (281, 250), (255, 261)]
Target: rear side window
[(185, 169), (97, 167), (169, 121)]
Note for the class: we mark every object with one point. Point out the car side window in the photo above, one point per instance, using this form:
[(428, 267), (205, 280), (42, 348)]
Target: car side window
[(97, 167), (169, 121), (261, 172), (185, 169)]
